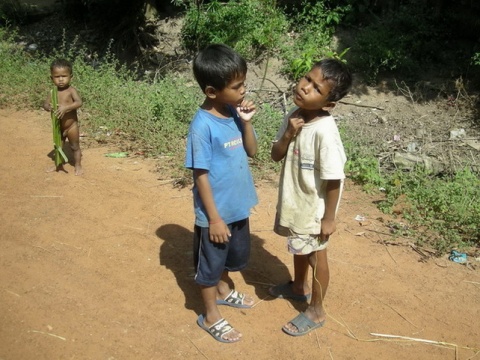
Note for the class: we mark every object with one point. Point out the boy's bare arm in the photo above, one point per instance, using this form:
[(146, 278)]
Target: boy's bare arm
[(249, 139), (219, 232), (280, 147), (245, 111), (331, 201), (47, 104)]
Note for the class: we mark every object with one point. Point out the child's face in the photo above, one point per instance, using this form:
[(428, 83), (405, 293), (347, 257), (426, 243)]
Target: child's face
[(312, 91), (61, 77), (234, 93)]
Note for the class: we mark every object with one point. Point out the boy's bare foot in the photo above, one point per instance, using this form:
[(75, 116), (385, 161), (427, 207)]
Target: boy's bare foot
[(78, 170), (304, 323), (221, 330), (235, 299)]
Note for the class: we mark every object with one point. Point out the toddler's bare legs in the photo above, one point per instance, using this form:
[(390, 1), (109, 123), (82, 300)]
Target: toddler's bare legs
[(77, 158), (73, 134)]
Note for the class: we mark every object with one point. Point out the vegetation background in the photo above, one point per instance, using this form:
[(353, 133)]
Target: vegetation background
[(145, 97)]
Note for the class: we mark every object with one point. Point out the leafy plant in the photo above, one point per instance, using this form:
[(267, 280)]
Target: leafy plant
[(445, 211), (251, 27), (476, 59), (303, 64), (14, 12), (313, 25), (266, 122), (403, 41)]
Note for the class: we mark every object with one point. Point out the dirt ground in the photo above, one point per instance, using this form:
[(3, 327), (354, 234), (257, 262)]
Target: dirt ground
[(99, 267)]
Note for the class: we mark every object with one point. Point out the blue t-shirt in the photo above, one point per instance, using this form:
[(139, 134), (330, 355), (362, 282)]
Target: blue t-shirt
[(216, 145)]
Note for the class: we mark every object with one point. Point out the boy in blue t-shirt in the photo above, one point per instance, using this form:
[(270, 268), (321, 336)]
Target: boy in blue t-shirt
[(220, 140)]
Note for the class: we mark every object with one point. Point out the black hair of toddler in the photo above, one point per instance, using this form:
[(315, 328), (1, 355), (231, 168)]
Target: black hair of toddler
[(61, 63)]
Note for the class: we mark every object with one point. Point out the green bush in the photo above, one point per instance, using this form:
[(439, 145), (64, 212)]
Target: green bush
[(445, 211), (251, 27), (476, 59), (312, 28), (402, 41), (14, 12), (267, 121), (22, 76)]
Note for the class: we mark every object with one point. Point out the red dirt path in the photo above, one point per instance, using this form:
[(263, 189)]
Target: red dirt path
[(99, 267)]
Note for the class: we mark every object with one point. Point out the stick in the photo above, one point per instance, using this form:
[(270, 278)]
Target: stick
[(388, 251), (433, 342), (403, 317), (200, 351), (260, 283), (412, 339), (46, 196), (42, 248), (262, 300), (11, 292), (361, 105), (49, 334)]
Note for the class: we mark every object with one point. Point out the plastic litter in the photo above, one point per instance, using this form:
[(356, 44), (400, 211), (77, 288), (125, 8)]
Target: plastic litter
[(117, 155), (458, 257), (457, 134)]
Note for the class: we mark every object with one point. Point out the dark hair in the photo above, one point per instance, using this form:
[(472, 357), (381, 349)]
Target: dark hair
[(61, 63), (338, 74), (217, 65)]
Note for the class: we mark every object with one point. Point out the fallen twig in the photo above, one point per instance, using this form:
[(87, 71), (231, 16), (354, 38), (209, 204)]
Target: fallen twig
[(391, 307), (42, 248), (388, 251), (11, 292), (260, 283), (432, 342), (260, 301), (200, 351), (474, 355), (361, 105), (49, 334), (46, 196)]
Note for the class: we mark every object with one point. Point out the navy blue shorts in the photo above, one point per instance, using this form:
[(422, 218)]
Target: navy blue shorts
[(212, 259)]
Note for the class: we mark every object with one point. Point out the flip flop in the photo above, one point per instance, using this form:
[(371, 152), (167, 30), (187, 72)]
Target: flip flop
[(234, 299), (303, 324), (217, 330), (285, 291)]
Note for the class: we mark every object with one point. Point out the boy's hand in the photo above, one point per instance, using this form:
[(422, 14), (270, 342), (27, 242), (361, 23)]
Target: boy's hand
[(295, 123), (60, 112), (219, 233), (246, 110), (328, 228)]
